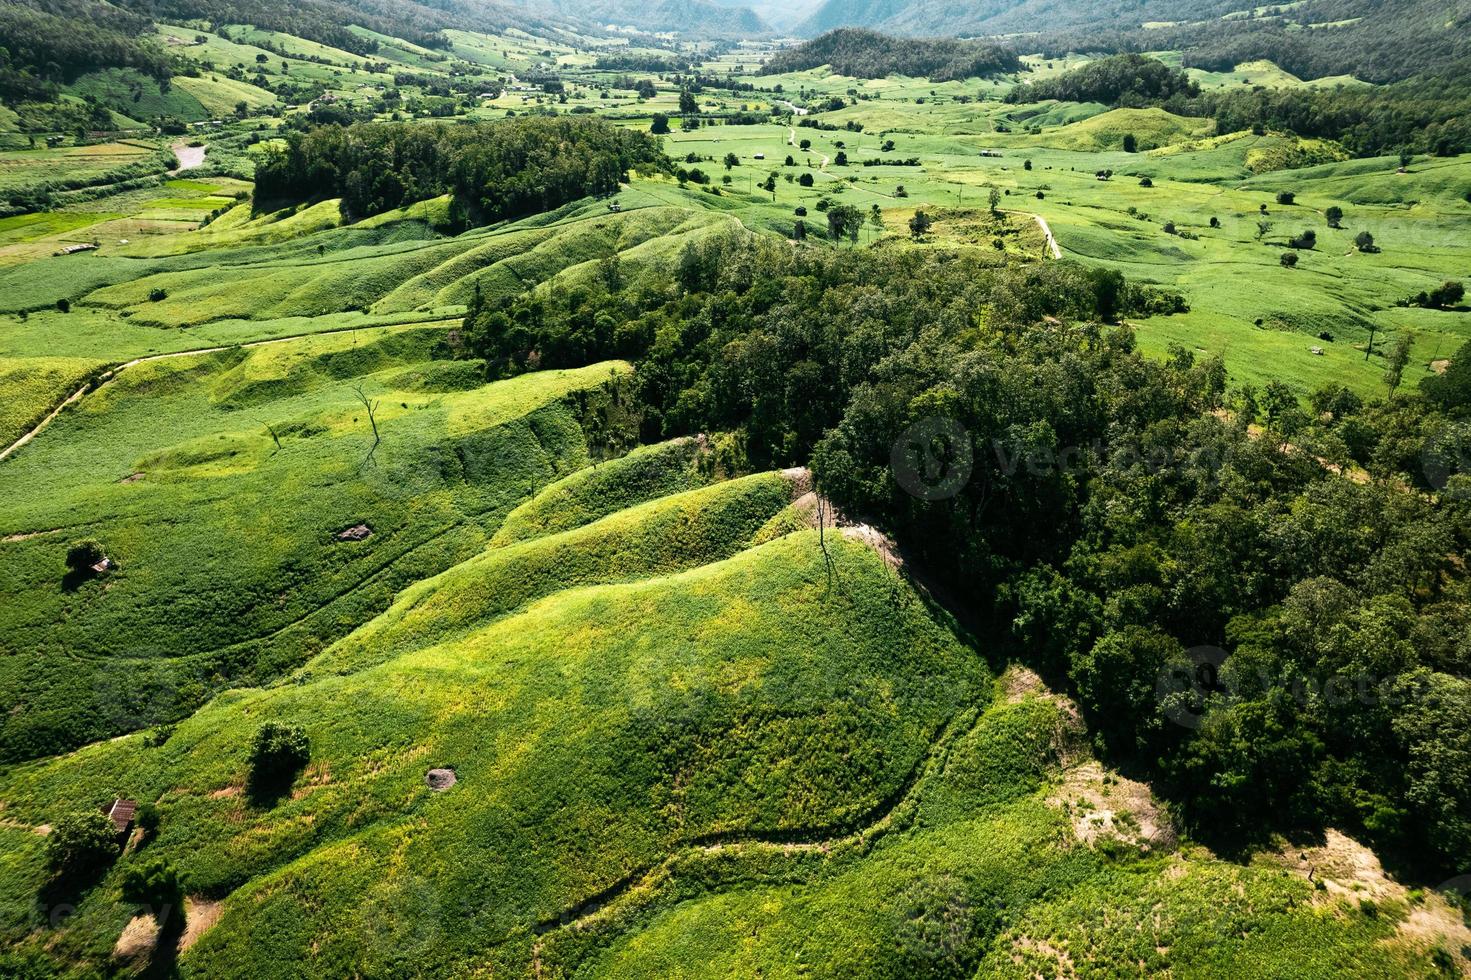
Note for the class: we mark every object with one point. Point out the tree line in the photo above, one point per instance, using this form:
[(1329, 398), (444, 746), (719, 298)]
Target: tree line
[(1279, 646), (495, 170), (868, 54)]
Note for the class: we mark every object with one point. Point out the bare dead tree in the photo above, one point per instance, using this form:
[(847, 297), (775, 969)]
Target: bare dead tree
[(372, 408)]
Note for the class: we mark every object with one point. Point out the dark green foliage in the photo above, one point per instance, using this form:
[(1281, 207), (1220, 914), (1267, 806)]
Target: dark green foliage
[(81, 844), (496, 170), (82, 555), (867, 54), (1122, 80), (277, 753), (155, 884), (1288, 260)]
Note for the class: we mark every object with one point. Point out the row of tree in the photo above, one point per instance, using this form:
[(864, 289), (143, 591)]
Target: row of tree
[(868, 54), (495, 170)]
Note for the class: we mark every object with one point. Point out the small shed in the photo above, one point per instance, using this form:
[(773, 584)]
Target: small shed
[(120, 812)]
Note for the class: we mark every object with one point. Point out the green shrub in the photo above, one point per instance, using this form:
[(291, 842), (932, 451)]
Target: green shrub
[(82, 555), (81, 843), (276, 754), (154, 883)]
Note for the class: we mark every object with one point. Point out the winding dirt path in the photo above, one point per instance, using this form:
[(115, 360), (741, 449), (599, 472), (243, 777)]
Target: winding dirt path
[(1047, 230), (97, 382)]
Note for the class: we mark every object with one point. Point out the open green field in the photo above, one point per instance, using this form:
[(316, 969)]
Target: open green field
[(695, 731)]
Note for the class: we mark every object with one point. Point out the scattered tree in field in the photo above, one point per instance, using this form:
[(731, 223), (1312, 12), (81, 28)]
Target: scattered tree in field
[(731, 160), (1026, 165), (920, 225), (876, 220), (844, 221), (154, 883), (841, 160), (804, 145), (660, 125), (688, 106), (1286, 197), (64, 305), (1405, 158), (1306, 240), (1364, 242), (799, 229), (277, 753), (900, 191), (993, 198), (805, 180), (1169, 228), (1131, 143), (81, 844), (1289, 260), (1443, 297), (82, 555), (1262, 227), (1398, 357), (1334, 216), (1145, 182), (1215, 222), (789, 162)]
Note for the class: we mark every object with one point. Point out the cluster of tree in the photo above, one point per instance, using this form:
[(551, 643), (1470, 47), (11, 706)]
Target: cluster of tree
[(1282, 647), (1121, 80), (40, 48), (868, 54), (1372, 40), (495, 170), (659, 64)]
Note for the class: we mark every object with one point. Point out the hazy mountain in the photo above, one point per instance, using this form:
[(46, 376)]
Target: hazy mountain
[(696, 18)]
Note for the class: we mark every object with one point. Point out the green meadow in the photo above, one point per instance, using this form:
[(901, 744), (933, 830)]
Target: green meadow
[(692, 733)]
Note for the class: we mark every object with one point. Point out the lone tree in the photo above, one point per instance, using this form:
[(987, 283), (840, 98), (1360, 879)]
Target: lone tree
[(660, 125), (1289, 260), (81, 843), (731, 160), (1286, 197), (1334, 215), (1399, 356), (277, 753), (1131, 143), (805, 180), (688, 106), (920, 224), (82, 555), (994, 199), (1364, 242), (843, 221), (1307, 240)]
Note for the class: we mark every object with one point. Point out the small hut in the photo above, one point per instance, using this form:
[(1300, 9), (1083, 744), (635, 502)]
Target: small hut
[(121, 812)]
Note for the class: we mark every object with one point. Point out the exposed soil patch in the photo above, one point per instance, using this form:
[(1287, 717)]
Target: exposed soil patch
[(199, 915), (1103, 805), (26, 536), (440, 780), (358, 532), (1439, 366), (139, 938)]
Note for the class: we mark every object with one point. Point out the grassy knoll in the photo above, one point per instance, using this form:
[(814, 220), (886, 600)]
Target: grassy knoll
[(982, 872), (735, 701), (225, 534)]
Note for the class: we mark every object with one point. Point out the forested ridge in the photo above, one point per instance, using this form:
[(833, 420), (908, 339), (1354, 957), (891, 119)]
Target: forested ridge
[(496, 170), (868, 54), (1426, 114), (1114, 515)]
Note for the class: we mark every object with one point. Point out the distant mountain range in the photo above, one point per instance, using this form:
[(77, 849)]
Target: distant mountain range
[(693, 18), (988, 17)]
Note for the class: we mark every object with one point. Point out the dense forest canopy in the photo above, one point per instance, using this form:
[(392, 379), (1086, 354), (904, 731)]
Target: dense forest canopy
[(867, 54), (1126, 79), (495, 170), (1112, 513)]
